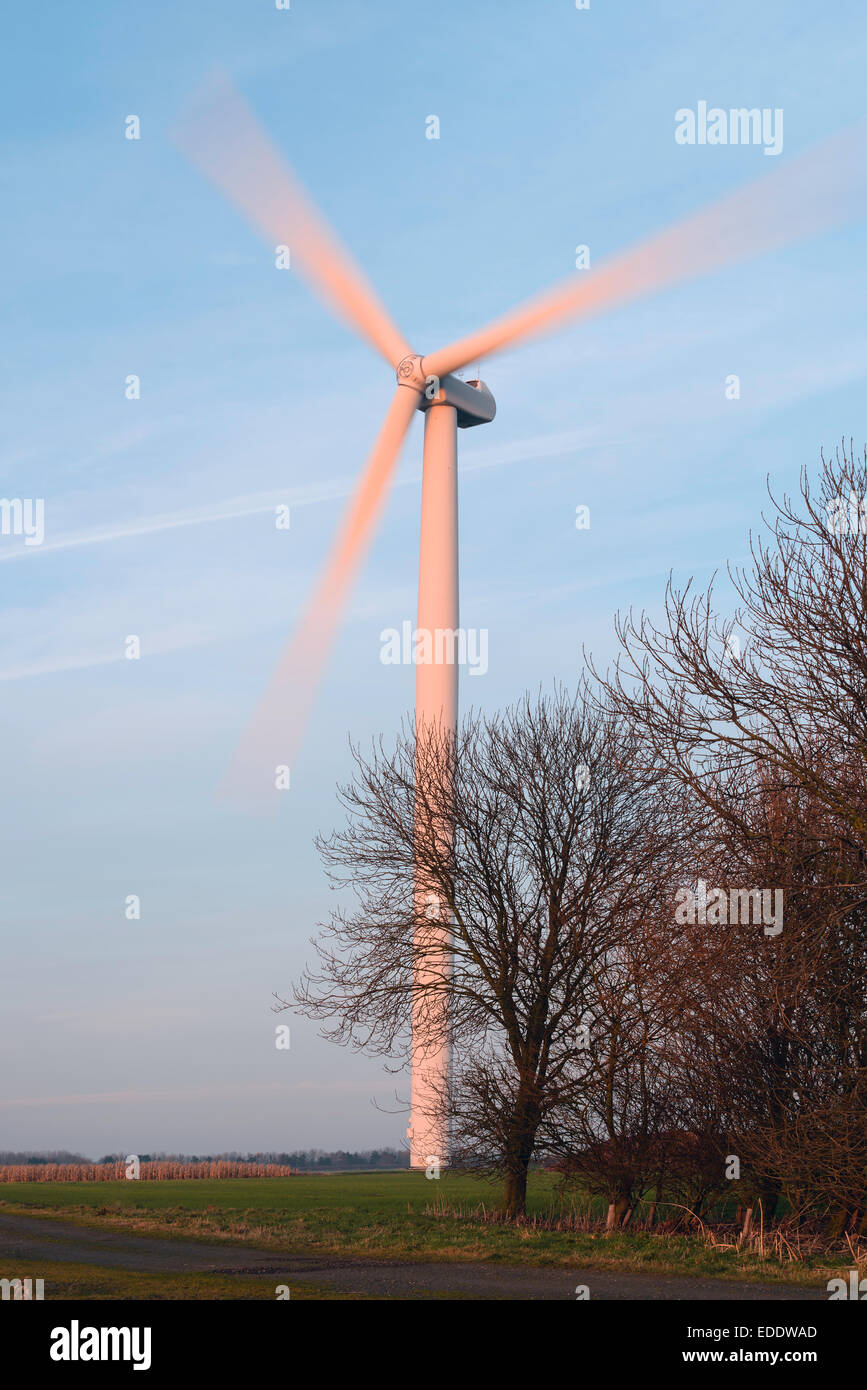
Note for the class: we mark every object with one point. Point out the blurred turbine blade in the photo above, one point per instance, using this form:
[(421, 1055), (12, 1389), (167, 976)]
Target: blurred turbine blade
[(275, 730), (824, 187), (222, 137)]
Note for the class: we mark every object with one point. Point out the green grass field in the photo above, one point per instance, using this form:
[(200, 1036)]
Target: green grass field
[(385, 1216), (369, 1193)]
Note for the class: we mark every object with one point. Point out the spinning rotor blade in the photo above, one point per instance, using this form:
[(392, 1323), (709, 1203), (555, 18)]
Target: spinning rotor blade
[(222, 137), (275, 729), (824, 187)]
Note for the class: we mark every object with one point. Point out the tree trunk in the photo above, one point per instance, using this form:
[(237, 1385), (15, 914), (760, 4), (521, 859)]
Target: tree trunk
[(515, 1195), (519, 1148), (618, 1211)]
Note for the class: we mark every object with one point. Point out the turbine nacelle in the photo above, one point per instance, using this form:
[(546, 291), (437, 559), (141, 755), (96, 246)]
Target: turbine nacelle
[(471, 399)]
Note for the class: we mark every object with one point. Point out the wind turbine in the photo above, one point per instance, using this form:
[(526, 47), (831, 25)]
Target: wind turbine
[(819, 189)]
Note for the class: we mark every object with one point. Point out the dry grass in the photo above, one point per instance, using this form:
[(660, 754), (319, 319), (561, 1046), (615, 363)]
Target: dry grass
[(155, 1171), (785, 1250)]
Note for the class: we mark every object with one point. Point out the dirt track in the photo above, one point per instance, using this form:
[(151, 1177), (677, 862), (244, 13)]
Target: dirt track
[(32, 1238)]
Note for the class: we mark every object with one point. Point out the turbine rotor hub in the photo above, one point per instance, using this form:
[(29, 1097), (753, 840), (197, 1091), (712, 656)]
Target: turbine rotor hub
[(410, 372)]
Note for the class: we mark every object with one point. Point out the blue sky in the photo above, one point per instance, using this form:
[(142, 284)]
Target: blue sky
[(557, 129)]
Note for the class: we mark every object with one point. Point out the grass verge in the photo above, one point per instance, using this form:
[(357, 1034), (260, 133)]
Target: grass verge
[(392, 1216)]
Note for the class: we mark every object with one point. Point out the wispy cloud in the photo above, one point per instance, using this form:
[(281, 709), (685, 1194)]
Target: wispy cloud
[(230, 510), (186, 1093), (334, 490)]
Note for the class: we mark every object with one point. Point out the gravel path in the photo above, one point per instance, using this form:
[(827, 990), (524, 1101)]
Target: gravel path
[(34, 1238)]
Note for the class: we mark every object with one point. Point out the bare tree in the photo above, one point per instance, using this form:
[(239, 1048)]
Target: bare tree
[(560, 842), (781, 682), (761, 717), (614, 1134)]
